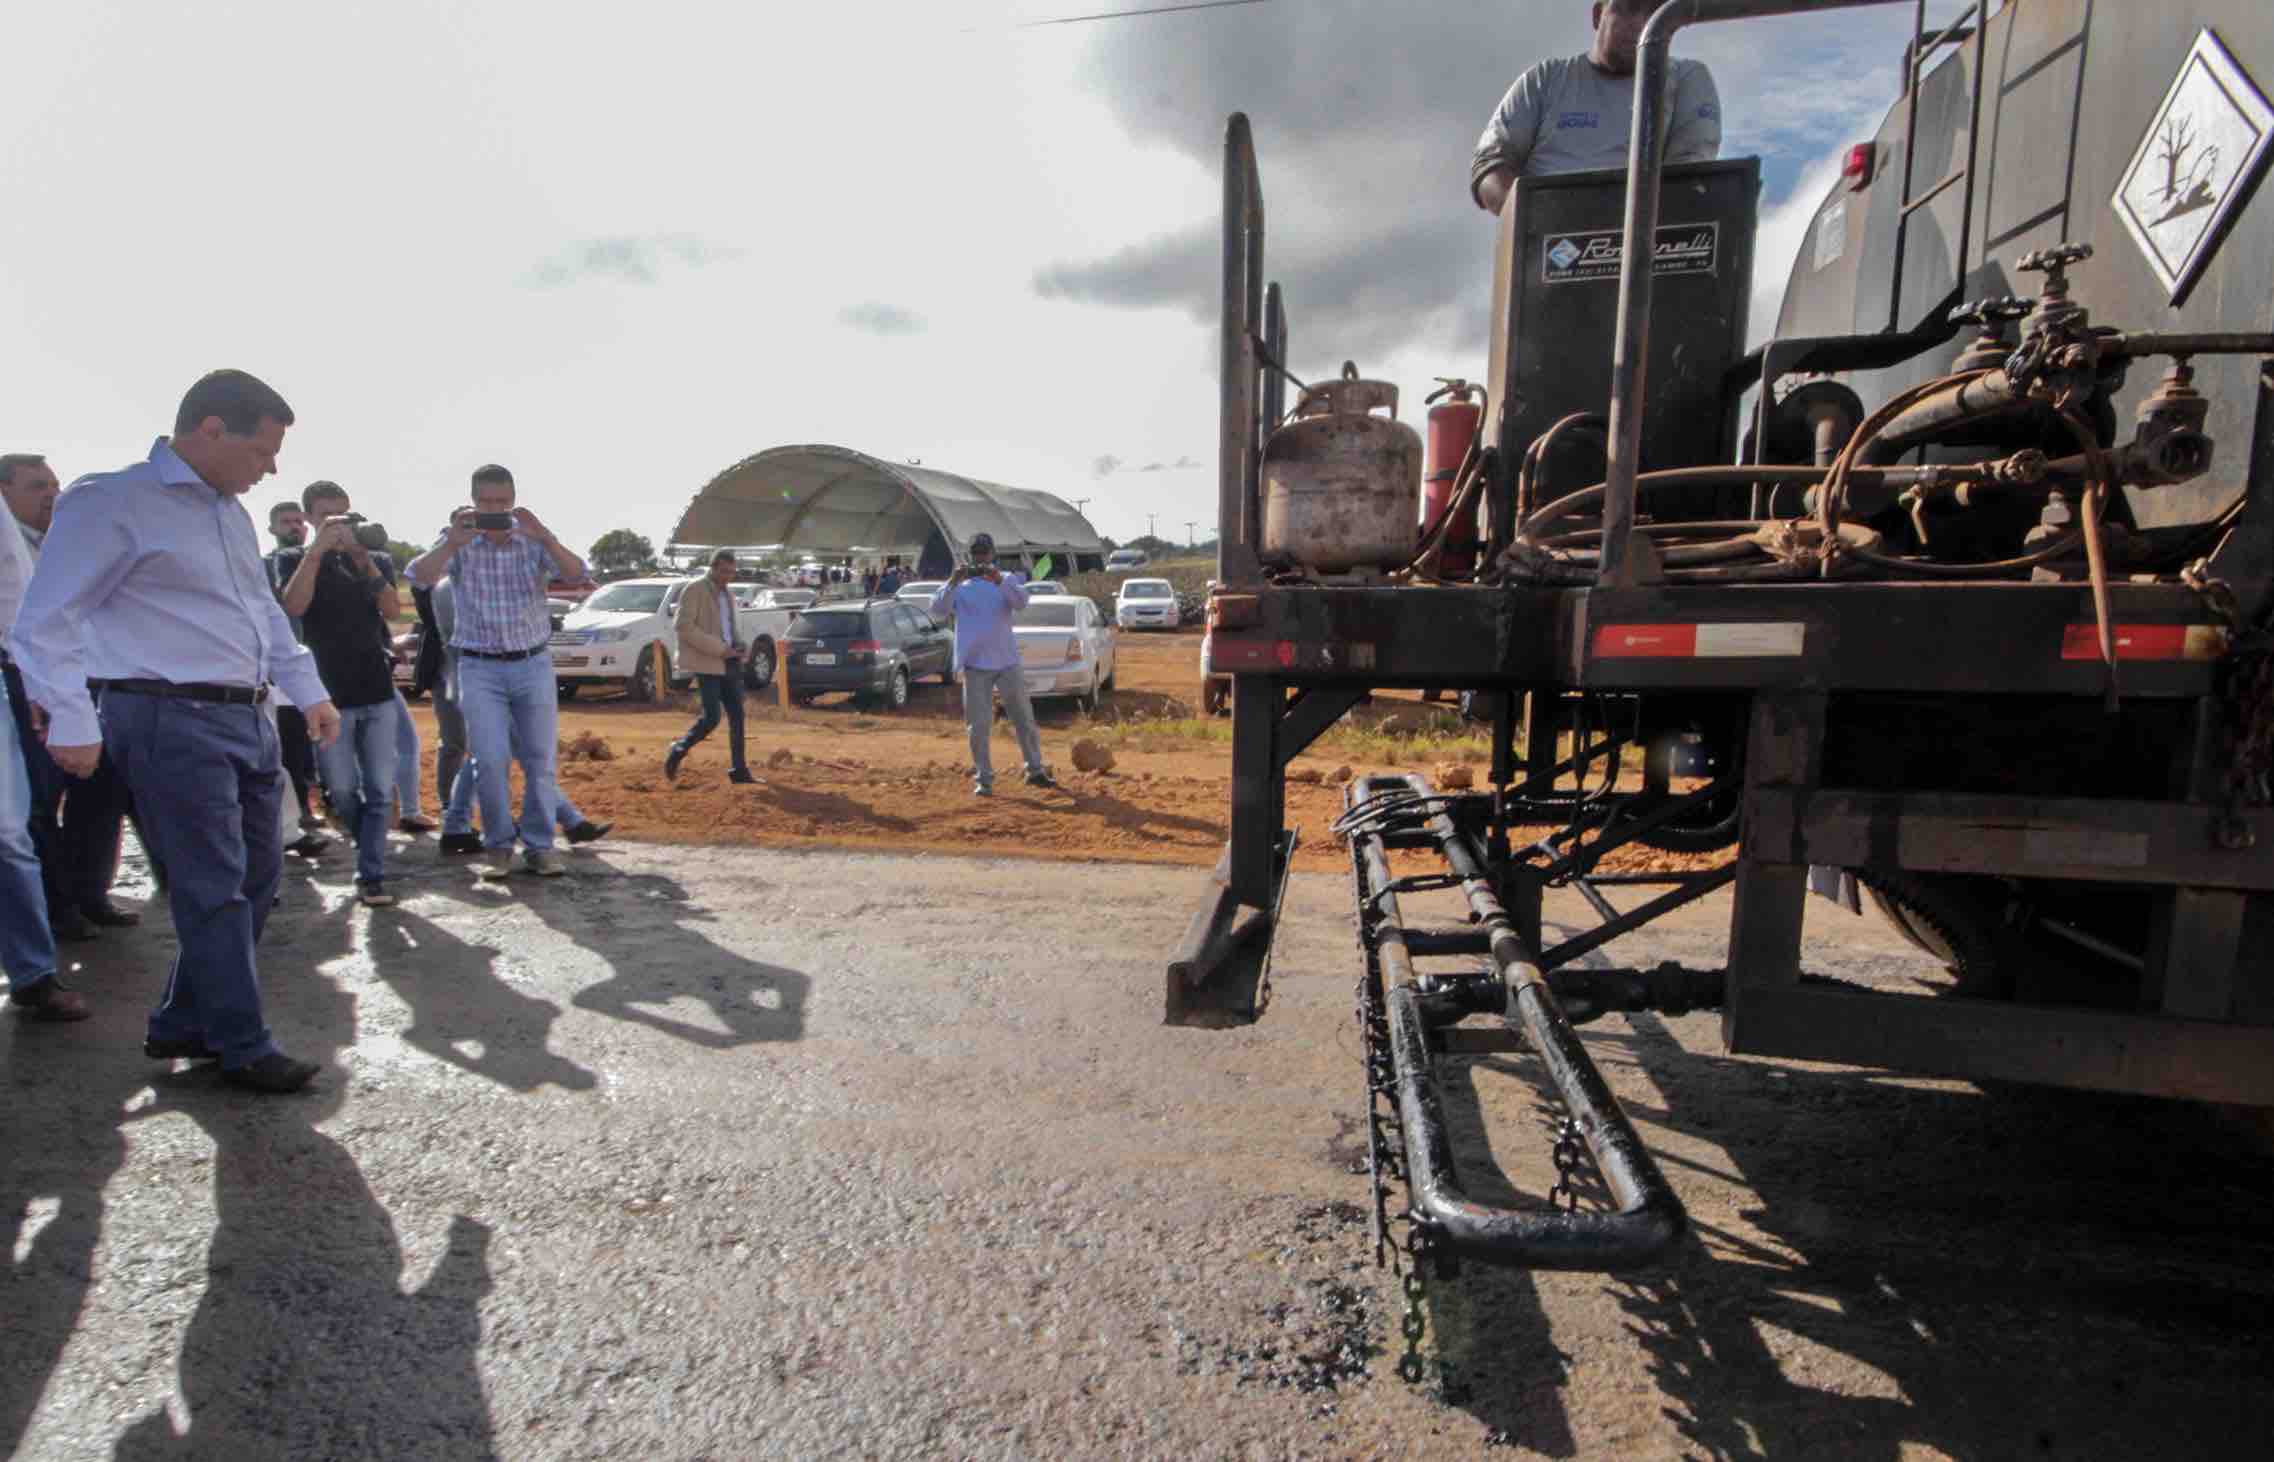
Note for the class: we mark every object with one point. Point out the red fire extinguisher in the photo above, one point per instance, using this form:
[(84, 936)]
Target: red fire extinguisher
[(1453, 420)]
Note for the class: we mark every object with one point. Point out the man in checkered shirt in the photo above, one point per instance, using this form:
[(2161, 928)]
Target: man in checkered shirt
[(505, 664)]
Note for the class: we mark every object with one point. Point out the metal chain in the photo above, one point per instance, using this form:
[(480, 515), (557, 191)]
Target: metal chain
[(1567, 1154), (2246, 696), (1415, 1323), (1385, 1139)]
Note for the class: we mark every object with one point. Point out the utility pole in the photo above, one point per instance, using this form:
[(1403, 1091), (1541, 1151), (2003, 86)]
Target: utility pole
[(1149, 533), (1081, 503), (1189, 540)]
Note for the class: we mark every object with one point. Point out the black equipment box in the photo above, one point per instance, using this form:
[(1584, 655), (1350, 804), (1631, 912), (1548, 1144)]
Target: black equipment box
[(1555, 317)]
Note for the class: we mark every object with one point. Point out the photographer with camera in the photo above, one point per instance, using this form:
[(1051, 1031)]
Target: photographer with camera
[(498, 559), (983, 602), (321, 502), (343, 593)]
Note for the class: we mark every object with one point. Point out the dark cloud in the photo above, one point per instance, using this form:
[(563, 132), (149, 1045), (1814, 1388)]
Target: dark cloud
[(1104, 465), (627, 259), (1181, 464), (1365, 115), (879, 318)]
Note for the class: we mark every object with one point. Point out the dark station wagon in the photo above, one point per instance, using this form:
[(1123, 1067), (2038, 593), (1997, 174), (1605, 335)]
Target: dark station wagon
[(875, 650)]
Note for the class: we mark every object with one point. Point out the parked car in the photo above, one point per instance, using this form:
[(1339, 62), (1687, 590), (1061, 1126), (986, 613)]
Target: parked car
[(1122, 560), (403, 650), (1065, 648), (621, 636), (761, 597), (1041, 587), (919, 593), (1145, 604), (876, 650)]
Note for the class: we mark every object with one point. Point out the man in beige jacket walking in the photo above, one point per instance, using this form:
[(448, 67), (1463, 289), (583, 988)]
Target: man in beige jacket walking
[(711, 649)]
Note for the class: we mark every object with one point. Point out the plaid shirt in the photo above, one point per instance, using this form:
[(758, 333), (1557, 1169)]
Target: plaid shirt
[(499, 595)]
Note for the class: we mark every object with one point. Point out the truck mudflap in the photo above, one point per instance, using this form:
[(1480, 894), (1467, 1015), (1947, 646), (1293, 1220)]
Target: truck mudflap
[(1221, 972)]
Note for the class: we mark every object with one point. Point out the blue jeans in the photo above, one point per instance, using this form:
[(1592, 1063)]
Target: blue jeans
[(208, 787), (27, 945), (406, 764), (512, 714), (359, 779), (458, 816), (980, 687)]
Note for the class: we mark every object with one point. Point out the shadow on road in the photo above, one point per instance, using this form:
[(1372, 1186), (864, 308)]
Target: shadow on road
[(306, 1342), (2010, 1272), (61, 1143), (462, 1012), (647, 929)]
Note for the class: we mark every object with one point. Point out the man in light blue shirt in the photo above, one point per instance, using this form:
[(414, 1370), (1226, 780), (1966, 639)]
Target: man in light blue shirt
[(152, 587), (983, 602)]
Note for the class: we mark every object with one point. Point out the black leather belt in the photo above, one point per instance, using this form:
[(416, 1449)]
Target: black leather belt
[(505, 654), (185, 690)]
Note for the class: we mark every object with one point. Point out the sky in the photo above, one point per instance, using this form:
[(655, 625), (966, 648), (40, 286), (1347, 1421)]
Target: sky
[(620, 249)]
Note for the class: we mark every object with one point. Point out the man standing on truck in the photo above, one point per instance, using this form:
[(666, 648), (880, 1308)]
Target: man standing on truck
[(1573, 113)]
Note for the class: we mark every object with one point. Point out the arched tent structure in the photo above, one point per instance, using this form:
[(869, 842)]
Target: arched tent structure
[(835, 500)]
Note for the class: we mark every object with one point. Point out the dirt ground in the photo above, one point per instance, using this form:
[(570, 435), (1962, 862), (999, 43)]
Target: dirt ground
[(859, 778)]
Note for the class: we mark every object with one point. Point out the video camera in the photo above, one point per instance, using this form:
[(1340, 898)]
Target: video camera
[(371, 535)]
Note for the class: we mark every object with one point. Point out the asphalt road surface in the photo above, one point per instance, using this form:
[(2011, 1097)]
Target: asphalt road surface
[(723, 1153)]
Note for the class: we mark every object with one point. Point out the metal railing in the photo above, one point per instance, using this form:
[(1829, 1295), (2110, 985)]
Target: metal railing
[(1915, 57), (1240, 444), (1646, 165)]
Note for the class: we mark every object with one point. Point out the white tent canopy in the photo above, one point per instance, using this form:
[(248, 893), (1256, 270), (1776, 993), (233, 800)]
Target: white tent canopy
[(832, 499)]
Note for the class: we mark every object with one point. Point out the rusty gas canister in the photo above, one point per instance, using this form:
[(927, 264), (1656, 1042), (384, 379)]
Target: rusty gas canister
[(1342, 485)]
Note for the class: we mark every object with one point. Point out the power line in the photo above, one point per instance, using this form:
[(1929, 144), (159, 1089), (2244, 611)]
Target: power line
[(1131, 14)]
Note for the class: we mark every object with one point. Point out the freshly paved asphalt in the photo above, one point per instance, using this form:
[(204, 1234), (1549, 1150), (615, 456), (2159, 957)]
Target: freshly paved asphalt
[(715, 1153)]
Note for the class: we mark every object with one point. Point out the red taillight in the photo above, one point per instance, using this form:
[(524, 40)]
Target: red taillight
[(865, 647), (1855, 168)]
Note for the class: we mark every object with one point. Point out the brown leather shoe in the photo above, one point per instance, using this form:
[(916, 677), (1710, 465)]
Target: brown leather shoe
[(50, 1001)]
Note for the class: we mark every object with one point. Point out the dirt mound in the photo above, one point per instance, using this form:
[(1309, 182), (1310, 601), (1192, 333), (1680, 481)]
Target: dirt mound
[(1090, 756), (587, 746)]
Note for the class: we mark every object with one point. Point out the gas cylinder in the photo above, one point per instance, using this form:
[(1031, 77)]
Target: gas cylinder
[(1341, 485), (1453, 417)]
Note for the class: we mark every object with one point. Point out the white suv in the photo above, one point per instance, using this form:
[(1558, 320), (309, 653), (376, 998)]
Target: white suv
[(621, 636)]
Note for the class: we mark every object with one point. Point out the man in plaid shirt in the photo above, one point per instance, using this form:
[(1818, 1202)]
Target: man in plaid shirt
[(505, 665)]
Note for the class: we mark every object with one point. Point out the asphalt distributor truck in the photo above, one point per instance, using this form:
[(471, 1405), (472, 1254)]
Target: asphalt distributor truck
[(1956, 596)]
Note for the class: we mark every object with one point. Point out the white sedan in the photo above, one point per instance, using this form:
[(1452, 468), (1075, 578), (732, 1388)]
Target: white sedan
[(1065, 648), (1145, 604)]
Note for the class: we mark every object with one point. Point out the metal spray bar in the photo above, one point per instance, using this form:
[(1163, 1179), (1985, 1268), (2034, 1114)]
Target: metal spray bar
[(1649, 1217), (1646, 165)]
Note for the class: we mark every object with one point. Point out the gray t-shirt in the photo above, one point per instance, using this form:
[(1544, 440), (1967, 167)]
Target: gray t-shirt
[(1566, 116)]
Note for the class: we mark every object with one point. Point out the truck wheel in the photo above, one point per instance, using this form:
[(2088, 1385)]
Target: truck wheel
[(896, 694), (568, 690), (758, 670), (647, 676)]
